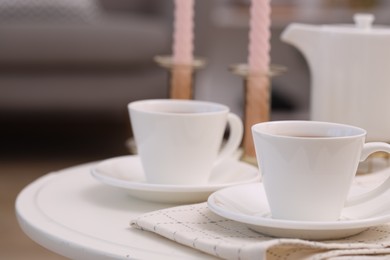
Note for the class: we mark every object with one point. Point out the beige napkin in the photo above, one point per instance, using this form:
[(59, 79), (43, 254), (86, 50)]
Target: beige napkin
[(197, 227)]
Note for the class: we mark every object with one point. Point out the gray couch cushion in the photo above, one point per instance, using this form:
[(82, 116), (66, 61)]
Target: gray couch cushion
[(131, 40), (76, 31), (80, 92), (48, 10)]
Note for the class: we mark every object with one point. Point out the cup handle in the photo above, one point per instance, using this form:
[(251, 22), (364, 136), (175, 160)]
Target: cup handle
[(368, 149), (234, 140)]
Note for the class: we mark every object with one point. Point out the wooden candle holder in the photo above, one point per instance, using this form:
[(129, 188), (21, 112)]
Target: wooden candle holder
[(181, 76), (257, 95)]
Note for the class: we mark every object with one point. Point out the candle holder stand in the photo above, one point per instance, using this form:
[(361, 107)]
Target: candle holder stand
[(257, 97), (181, 76)]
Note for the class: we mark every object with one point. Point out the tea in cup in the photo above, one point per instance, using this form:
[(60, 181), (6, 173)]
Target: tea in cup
[(179, 141), (308, 167)]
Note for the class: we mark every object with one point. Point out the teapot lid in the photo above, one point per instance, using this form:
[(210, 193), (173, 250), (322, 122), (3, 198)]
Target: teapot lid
[(363, 24)]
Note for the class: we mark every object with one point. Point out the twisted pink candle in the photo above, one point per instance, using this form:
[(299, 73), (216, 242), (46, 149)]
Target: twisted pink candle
[(257, 95), (183, 36), (259, 36)]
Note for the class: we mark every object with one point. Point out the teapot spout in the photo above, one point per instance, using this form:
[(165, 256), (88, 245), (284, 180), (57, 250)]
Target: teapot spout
[(303, 37)]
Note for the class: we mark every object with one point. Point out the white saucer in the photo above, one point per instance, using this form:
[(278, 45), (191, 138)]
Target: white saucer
[(248, 204), (126, 172)]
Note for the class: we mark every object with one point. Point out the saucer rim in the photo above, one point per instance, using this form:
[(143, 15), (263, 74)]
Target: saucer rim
[(262, 221), (155, 187)]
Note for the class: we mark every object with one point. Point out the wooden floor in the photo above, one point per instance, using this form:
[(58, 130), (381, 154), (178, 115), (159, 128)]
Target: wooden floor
[(22, 163)]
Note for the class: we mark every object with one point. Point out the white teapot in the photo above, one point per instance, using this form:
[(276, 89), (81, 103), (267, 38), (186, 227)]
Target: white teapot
[(350, 72)]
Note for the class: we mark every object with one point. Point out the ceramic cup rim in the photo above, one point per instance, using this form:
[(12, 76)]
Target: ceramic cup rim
[(196, 107), (329, 130)]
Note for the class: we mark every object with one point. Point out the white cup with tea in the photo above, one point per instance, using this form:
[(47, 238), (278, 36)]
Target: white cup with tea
[(308, 167), (179, 141)]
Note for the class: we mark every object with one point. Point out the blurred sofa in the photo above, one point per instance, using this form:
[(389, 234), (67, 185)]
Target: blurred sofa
[(81, 56), (69, 68)]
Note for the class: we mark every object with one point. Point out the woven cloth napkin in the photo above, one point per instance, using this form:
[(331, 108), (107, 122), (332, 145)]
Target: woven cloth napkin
[(197, 227)]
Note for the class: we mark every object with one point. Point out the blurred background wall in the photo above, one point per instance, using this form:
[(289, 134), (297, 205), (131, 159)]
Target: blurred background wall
[(69, 68)]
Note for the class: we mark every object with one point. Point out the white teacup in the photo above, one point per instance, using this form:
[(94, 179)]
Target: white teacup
[(179, 141), (308, 167)]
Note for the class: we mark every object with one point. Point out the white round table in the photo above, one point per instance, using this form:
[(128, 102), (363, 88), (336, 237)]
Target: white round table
[(72, 214)]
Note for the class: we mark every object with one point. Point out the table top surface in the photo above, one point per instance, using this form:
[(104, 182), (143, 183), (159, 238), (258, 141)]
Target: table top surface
[(74, 215)]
